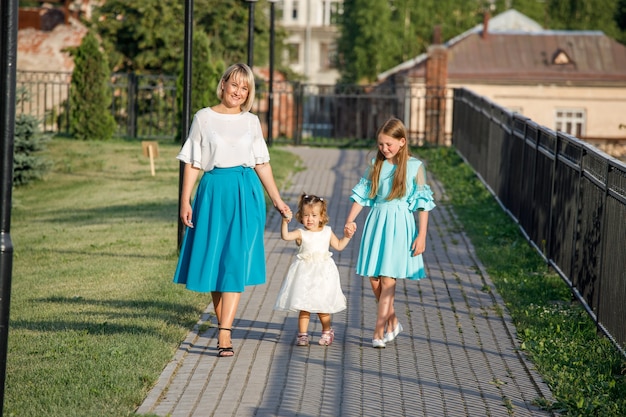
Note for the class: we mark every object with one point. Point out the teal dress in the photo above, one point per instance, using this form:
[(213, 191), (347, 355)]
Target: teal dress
[(390, 229)]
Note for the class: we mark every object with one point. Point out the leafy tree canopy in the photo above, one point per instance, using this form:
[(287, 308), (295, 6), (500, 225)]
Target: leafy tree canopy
[(148, 35)]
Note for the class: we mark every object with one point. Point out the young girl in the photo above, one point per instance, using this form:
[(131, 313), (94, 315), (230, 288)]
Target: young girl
[(394, 186), (312, 282)]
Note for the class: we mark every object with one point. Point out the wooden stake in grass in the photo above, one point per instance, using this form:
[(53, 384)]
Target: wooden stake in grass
[(151, 150)]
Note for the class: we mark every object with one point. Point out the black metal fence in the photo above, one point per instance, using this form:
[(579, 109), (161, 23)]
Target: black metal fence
[(145, 107), (568, 197), (341, 115), (45, 95)]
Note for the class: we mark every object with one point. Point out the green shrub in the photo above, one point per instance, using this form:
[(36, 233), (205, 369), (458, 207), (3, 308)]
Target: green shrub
[(28, 164), (90, 95)]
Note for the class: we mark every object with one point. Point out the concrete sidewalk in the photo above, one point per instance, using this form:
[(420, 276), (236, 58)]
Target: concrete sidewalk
[(457, 356)]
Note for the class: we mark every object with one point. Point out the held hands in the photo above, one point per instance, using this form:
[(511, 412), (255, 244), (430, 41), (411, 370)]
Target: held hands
[(349, 229), (285, 211)]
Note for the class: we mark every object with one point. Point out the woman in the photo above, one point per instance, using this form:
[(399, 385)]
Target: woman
[(223, 250)]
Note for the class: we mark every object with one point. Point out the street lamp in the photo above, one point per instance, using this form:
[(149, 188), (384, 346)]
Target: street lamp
[(270, 97), (250, 30), (8, 60), (188, 41)]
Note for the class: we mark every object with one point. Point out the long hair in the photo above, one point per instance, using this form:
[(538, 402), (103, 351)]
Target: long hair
[(242, 73), (311, 200), (394, 128)]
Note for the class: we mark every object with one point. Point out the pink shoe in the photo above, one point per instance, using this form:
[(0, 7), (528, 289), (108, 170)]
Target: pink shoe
[(302, 340), (327, 337)]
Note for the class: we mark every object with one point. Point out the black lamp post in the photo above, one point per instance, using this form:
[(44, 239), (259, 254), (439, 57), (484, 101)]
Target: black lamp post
[(270, 97), (186, 104), (8, 61), (250, 31)]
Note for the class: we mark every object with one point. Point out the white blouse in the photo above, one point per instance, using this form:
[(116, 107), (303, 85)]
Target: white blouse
[(224, 141)]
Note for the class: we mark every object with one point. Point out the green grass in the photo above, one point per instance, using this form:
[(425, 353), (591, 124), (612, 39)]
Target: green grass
[(584, 370), (94, 313)]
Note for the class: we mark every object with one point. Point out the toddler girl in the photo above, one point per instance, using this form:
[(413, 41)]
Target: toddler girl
[(312, 283)]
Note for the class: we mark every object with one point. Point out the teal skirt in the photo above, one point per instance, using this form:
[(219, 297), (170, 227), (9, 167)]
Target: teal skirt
[(224, 251)]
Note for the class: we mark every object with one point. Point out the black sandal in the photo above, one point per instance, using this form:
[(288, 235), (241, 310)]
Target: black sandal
[(224, 352)]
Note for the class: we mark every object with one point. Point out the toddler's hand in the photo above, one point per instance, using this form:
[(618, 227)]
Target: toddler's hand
[(349, 229)]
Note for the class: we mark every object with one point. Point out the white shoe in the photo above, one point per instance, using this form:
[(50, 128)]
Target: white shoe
[(390, 336), (378, 343)]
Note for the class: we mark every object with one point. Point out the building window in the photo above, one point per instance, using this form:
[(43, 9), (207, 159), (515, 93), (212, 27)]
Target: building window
[(294, 10), (571, 121), (325, 13), (331, 12), (336, 12), (560, 57), (327, 56), (294, 53)]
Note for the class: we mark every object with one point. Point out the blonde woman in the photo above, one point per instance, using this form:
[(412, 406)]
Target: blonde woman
[(223, 249)]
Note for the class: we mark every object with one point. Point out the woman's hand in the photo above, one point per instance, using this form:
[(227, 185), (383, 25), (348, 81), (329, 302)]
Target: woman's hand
[(284, 210), (349, 229), (186, 214)]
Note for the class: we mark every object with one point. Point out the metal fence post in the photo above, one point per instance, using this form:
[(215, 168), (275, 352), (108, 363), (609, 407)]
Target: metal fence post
[(131, 127)]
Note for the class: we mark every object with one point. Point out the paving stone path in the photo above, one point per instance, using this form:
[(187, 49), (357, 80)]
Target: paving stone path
[(457, 356)]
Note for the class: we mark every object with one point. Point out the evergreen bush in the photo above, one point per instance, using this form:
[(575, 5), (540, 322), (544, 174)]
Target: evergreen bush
[(90, 94), (28, 164)]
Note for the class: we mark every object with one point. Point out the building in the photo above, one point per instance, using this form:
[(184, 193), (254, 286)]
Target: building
[(312, 35), (570, 81)]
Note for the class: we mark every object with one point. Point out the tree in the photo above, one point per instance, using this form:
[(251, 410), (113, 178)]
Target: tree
[(148, 35), (142, 35), (584, 15), (366, 43), (608, 16), (620, 19), (28, 164), (204, 78), (90, 95), (229, 41), (375, 35)]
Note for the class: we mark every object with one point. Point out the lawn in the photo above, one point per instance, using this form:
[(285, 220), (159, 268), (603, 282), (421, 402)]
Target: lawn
[(94, 313)]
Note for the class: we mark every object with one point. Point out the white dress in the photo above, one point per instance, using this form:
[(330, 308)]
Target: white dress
[(312, 282)]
